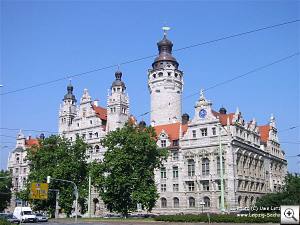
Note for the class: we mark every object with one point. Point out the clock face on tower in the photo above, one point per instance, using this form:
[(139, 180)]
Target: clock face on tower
[(202, 113)]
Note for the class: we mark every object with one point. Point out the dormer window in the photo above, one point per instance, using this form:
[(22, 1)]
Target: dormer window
[(163, 143)]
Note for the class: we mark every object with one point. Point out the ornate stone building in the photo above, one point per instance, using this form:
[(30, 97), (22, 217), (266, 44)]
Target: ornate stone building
[(200, 148), (190, 180), (18, 165)]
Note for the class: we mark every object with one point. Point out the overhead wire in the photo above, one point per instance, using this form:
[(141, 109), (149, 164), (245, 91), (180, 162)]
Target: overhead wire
[(147, 57)]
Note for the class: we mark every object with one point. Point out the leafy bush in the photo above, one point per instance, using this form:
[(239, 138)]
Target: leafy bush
[(4, 222), (218, 218)]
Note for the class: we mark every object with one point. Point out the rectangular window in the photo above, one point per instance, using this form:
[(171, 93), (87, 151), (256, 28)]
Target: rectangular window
[(204, 132), (175, 171), (191, 168), (194, 133), (175, 187), (175, 142), (214, 131), (191, 186), (163, 143), (163, 187), (205, 185), (163, 173), (24, 170), (175, 155), (90, 135)]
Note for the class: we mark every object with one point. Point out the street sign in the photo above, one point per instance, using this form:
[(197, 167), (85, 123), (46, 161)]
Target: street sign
[(39, 191)]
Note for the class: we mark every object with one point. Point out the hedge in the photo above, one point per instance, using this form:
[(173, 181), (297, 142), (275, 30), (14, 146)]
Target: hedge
[(217, 218), (4, 222)]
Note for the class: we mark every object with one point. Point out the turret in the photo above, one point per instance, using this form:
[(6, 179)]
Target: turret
[(117, 104), (67, 111), (165, 83)]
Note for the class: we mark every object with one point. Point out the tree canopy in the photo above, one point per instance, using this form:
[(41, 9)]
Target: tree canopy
[(288, 196), (125, 178), (5, 189), (59, 158)]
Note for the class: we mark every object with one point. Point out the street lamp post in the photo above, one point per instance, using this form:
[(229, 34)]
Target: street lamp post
[(221, 172), (75, 190)]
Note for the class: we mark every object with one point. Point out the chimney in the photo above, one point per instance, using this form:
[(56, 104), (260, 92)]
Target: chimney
[(185, 118)]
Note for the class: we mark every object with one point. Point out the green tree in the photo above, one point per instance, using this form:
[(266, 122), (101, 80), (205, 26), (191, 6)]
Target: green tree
[(126, 176), (5, 189), (288, 196), (59, 158)]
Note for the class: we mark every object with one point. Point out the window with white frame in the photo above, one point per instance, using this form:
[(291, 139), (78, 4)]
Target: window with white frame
[(163, 187), (175, 187), (203, 132), (163, 143), (163, 173)]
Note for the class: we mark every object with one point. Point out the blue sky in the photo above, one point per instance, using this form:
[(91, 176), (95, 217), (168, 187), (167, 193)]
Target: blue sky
[(42, 41)]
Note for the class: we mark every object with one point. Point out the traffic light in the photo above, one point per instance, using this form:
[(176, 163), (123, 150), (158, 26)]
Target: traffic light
[(48, 179)]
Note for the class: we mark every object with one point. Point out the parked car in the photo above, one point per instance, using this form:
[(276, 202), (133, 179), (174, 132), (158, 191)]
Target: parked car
[(9, 217), (24, 214), (41, 218)]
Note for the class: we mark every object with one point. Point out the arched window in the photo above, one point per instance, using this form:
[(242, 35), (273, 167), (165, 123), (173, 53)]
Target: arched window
[(160, 74), (205, 166), (176, 202), (191, 167), (240, 201), (97, 148), (252, 200), (96, 134), (206, 202), (163, 202), (192, 202), (246, 201), (90, 150)]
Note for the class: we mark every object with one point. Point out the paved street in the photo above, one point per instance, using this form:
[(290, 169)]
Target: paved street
[(68, 222)]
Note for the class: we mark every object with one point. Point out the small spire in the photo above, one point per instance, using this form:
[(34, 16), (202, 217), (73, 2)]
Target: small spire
[(165, 30), (202, 94), (237, 111)]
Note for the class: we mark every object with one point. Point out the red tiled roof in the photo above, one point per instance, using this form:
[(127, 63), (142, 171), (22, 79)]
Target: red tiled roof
[(30, 142), (100, 112), (132, 120), (264, 132), (171, 129), (223, 117)]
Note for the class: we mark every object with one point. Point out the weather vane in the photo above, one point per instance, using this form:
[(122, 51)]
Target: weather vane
[(165, 29)]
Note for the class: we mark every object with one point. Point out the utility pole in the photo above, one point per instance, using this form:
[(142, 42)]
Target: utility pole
[(222, 208), (89, 198)]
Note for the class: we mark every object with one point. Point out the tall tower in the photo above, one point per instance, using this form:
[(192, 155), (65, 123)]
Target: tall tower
[(117, 104), (67, 111), (165, 83)]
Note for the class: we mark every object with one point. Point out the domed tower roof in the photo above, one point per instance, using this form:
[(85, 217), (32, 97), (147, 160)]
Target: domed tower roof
[(70, 95), (165, 53), (222, 110), (118, 82)]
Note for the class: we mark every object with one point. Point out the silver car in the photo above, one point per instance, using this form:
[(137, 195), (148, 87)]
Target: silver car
[(41, 218)]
